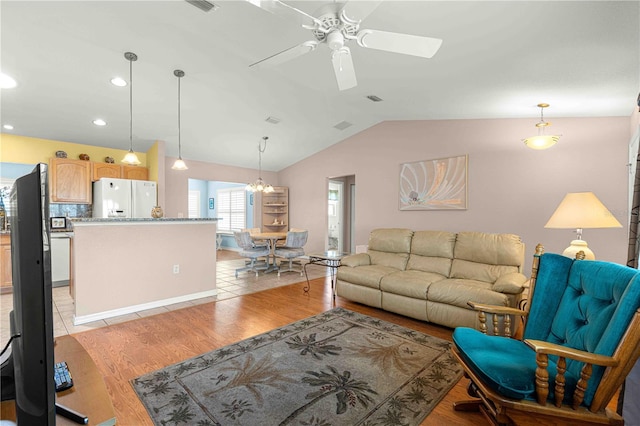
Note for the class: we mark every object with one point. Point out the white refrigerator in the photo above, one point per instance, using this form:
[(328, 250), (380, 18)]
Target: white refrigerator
[(123, 198)]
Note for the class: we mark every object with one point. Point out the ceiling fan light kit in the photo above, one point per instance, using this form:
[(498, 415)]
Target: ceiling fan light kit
[(335, 28)]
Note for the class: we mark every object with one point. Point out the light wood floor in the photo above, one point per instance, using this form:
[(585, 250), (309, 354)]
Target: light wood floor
[(125, 351)]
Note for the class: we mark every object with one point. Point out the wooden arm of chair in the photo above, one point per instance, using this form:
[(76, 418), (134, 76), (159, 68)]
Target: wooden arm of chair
[(497, 312), (544, 349)]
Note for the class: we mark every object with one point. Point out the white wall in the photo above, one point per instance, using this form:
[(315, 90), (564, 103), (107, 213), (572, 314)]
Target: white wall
[(126, 266), (512, 189)]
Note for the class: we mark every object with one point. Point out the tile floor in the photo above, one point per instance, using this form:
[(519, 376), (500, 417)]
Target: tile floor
[(227, 284)]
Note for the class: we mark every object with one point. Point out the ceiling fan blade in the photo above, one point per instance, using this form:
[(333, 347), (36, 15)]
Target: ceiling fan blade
[(356, 11), (406, 44), (288, 12), (287, 55), (343, 67)]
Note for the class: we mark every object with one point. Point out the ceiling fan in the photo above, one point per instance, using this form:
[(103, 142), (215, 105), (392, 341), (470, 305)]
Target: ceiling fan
[(337, 24)]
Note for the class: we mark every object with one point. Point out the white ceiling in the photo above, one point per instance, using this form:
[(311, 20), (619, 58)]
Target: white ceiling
[(498, 60)]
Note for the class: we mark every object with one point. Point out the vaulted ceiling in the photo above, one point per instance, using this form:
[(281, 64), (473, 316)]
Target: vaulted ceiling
[(497, 60)]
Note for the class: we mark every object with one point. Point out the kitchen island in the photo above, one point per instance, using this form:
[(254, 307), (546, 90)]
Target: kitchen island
[(121, 266)]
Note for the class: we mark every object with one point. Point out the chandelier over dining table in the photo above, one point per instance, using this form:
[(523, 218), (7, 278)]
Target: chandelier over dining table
[(260, 185)]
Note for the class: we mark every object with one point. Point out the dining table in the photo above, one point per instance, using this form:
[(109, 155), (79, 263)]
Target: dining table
[(271, 238)]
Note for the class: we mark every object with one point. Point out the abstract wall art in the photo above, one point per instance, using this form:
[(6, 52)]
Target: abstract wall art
[(439, 184)]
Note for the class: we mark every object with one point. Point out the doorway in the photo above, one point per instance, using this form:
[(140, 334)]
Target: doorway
[(340, 213)]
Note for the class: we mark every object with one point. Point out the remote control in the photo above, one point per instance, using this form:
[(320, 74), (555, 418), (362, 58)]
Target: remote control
[(62, 376)]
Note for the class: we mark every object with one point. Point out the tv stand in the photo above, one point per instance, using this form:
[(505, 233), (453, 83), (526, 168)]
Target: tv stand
[(88, 393), (71, 414)]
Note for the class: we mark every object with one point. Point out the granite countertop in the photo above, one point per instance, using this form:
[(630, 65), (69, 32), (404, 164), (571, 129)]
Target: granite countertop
[(80, 220)]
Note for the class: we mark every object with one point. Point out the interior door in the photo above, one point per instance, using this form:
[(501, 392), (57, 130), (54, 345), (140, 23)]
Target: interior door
[(335, 211)]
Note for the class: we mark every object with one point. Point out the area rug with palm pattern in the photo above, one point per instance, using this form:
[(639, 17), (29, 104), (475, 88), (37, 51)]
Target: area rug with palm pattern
[(336, 368)]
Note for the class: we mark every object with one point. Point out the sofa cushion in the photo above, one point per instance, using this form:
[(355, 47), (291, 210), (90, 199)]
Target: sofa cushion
[(491, 249), (368, 276), (507, 365), (391, 240), (397, 261), (433, 243), (487, 273), (356, 260), (432, 251), (409, 283), (458, 292)]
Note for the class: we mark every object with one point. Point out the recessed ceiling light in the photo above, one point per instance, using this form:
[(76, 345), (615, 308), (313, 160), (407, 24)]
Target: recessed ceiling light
[(7, 82), (99, 122), (8, 126), (117, 81)]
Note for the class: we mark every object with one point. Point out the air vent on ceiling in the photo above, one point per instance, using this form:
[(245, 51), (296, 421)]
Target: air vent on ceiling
[(343, 125), (203, 5), (374, 98), (273, 120)]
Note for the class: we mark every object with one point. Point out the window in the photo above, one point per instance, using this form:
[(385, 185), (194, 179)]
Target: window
[(194, 204), (231, 209)]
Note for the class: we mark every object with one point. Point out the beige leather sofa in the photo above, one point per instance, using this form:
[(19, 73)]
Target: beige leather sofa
[(431, 275)]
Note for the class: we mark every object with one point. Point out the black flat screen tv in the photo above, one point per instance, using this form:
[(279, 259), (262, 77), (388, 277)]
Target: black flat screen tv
[(32, 356)]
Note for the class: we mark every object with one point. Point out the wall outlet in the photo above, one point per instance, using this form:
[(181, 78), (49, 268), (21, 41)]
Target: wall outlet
[(180, 215), (176, 269)]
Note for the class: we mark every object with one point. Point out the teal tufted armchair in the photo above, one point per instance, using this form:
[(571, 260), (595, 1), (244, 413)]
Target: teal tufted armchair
[(581, 338)]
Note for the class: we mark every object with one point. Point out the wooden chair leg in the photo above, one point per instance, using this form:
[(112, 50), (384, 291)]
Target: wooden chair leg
[(468, 405)]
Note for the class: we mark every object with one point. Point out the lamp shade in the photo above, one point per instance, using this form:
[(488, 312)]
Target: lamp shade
[(582, 210), (541, 141)]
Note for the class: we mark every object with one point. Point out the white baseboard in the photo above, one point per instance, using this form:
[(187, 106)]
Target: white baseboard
[(84, 319)]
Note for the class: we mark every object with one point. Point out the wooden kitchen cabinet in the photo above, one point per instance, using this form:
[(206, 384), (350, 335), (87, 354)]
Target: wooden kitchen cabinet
[(70, 181), (105, 170), (135, 172), (5, 263)]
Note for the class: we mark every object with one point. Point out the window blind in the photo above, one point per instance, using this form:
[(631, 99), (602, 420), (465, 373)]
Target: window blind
[(231, 209)]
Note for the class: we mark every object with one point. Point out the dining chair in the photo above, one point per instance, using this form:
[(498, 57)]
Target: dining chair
[(251, 251), (293, 248)]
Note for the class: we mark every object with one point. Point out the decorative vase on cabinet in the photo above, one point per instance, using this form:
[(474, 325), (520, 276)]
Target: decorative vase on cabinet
[(157, 212)]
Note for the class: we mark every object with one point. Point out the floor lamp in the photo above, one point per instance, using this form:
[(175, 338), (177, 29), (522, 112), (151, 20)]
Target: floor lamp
[(580, 210)]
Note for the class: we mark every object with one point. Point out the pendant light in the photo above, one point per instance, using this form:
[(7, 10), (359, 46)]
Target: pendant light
[(260, 185), (541, 141), (131, 157), (179, 164)]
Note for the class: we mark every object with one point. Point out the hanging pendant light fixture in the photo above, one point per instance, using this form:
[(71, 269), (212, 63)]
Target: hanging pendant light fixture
[(260, 185), (179, 164), (131, 157), (541, 140)]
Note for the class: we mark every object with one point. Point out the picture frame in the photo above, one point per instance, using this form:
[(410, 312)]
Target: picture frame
[(58, 222), (437, 184), (211, 203)]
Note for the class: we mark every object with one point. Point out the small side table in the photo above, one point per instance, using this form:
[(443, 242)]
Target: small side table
[(330, 259)]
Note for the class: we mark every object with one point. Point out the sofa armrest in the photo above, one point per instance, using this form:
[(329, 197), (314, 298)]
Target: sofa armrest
[(512, 283), (354, 260)]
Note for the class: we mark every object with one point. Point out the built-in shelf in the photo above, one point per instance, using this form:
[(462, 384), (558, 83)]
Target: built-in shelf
[(275, 210)]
